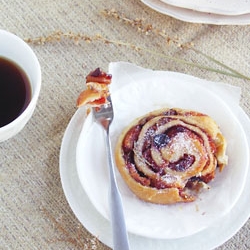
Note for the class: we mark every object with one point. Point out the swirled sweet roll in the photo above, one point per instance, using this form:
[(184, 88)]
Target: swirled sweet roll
[(166, 156)]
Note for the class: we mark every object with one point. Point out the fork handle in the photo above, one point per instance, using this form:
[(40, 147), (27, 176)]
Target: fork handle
[(120, 236)]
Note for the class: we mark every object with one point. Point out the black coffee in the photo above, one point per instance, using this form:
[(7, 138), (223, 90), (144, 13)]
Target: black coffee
[(15, 91)]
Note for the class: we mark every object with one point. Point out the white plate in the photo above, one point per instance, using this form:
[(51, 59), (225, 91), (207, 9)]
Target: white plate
[(155, 90), (222, 7), (207, 239), (189, 15)]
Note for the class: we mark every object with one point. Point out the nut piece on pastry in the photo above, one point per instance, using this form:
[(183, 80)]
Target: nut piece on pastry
[(168, 155), (97, 91)]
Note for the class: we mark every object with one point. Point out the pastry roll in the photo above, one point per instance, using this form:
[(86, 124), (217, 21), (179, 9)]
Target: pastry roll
[(168, 155), (97, 89)]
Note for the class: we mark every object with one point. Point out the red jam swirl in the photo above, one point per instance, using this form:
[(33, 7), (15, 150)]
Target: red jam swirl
[(98, 76), (151, 151)]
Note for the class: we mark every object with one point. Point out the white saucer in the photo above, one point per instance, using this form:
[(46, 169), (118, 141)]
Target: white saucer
[(193, 16), (137, 92), (214, 235), (209, 238), (221, 7)]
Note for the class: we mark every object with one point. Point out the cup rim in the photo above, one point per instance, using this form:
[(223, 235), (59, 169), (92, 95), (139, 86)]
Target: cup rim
[(38, 79)]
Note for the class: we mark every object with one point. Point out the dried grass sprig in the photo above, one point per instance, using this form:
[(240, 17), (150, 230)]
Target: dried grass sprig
[(57, 36), (145, 28), (148, 29)]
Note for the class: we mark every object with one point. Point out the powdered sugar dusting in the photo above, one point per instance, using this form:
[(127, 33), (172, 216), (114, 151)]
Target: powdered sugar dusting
[(179, 145)]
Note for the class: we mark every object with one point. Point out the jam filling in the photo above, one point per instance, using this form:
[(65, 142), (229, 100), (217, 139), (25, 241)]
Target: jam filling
[(98, 76), (158, 141), (182, 164)]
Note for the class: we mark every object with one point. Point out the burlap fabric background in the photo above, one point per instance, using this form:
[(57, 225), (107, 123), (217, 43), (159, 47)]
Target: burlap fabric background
[(34, 213)]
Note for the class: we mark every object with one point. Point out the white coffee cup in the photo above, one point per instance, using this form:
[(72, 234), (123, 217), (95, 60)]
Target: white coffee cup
[(16, 50)]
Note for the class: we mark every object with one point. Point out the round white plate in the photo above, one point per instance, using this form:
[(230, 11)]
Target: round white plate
[(153, 92), (189, 15), (208, 239), (222, 7)]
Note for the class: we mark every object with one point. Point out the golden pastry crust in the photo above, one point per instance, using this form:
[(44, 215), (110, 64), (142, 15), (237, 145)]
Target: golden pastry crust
[(167, 155), (97, 91)]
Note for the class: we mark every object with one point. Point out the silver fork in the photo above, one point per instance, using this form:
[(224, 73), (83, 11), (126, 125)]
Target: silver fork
[(103, 115)]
